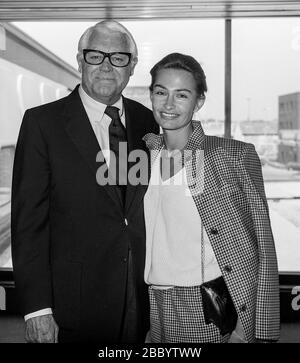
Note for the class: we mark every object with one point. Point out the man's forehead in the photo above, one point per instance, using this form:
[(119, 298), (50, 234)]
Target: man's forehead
[(104, 35)]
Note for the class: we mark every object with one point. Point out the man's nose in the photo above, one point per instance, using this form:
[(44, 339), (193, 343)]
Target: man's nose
[(105, 65)]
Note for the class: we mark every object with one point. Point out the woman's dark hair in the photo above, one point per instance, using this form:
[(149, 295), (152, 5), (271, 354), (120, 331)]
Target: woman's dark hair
[(183, 62)]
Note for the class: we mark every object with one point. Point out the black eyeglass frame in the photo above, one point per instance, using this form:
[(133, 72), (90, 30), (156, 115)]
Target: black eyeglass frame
[(106, 55)]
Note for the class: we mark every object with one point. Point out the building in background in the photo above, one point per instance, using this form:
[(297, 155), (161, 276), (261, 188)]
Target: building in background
[(263, 134), (289, 129)]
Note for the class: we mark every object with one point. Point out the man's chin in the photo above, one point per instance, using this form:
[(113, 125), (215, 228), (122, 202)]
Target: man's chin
[(104, 93)]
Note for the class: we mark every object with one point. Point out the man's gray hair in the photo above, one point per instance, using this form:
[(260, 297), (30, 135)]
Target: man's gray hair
[(111, 25)]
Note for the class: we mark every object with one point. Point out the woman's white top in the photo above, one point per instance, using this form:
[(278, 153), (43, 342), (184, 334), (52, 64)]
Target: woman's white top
[(173, 234)]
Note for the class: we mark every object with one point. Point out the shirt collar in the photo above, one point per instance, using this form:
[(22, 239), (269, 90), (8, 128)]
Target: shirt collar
[(96, 106), (156, 142)]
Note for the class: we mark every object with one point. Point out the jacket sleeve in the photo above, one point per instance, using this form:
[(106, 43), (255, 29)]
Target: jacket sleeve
[(30, 218), (267, 325)]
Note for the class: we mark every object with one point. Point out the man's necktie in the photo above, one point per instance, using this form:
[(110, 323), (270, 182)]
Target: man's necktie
[(117, 134)]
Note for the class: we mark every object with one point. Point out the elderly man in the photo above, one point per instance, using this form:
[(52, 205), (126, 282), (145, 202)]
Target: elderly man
[(78, 245)]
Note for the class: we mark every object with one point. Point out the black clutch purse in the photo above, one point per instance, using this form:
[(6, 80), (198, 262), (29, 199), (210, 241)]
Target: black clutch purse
[(218, 307)]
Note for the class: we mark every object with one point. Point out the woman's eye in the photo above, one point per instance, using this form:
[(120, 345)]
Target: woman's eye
[(159, 93), (182, 95)]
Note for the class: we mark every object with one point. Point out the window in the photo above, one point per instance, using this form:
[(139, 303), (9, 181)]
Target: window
[(21, 88), (27, 88), (265, 66), (6, 163), (265, 79)]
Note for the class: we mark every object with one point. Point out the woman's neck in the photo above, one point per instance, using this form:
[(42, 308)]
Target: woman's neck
[(177, 139)]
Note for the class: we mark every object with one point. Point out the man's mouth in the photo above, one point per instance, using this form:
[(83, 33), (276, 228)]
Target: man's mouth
[(106, 79)]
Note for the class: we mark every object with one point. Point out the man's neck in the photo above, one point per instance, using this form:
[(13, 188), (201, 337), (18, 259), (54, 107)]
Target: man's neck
[(104, 100), (96, 100)]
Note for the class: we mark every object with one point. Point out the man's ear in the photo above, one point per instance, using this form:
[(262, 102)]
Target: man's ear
[(79, 61), (199, 103), (133, 64)]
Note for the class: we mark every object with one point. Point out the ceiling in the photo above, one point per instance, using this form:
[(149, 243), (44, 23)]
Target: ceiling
[(144, 9)]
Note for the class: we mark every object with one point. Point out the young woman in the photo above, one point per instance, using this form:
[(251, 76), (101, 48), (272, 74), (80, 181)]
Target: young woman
[(206, 217)]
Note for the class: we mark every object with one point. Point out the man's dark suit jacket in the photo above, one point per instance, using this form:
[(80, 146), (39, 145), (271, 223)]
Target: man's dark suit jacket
[(70, 236)]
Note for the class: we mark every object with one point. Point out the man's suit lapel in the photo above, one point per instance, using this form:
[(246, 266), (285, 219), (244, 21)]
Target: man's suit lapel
[(135, 131), (80, 131)]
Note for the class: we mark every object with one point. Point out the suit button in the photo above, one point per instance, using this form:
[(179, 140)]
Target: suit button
[(243, 308), (214, 231), (126, 222), (228, 268), (125, 259)]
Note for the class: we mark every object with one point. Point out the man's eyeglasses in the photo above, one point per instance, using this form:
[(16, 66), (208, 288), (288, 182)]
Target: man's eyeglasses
[(96, 57)]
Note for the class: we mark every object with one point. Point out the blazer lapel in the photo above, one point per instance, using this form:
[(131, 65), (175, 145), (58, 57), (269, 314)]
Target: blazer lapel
[(206, 200), (80, 131)]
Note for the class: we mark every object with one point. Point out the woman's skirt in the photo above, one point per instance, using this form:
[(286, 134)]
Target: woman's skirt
[(176, 316)]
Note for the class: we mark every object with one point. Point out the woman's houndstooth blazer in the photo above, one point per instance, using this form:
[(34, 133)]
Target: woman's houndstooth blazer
[(225, 180)]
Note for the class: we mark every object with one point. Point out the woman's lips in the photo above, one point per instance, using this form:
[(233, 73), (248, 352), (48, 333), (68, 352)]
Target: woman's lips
[(168, 115)]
